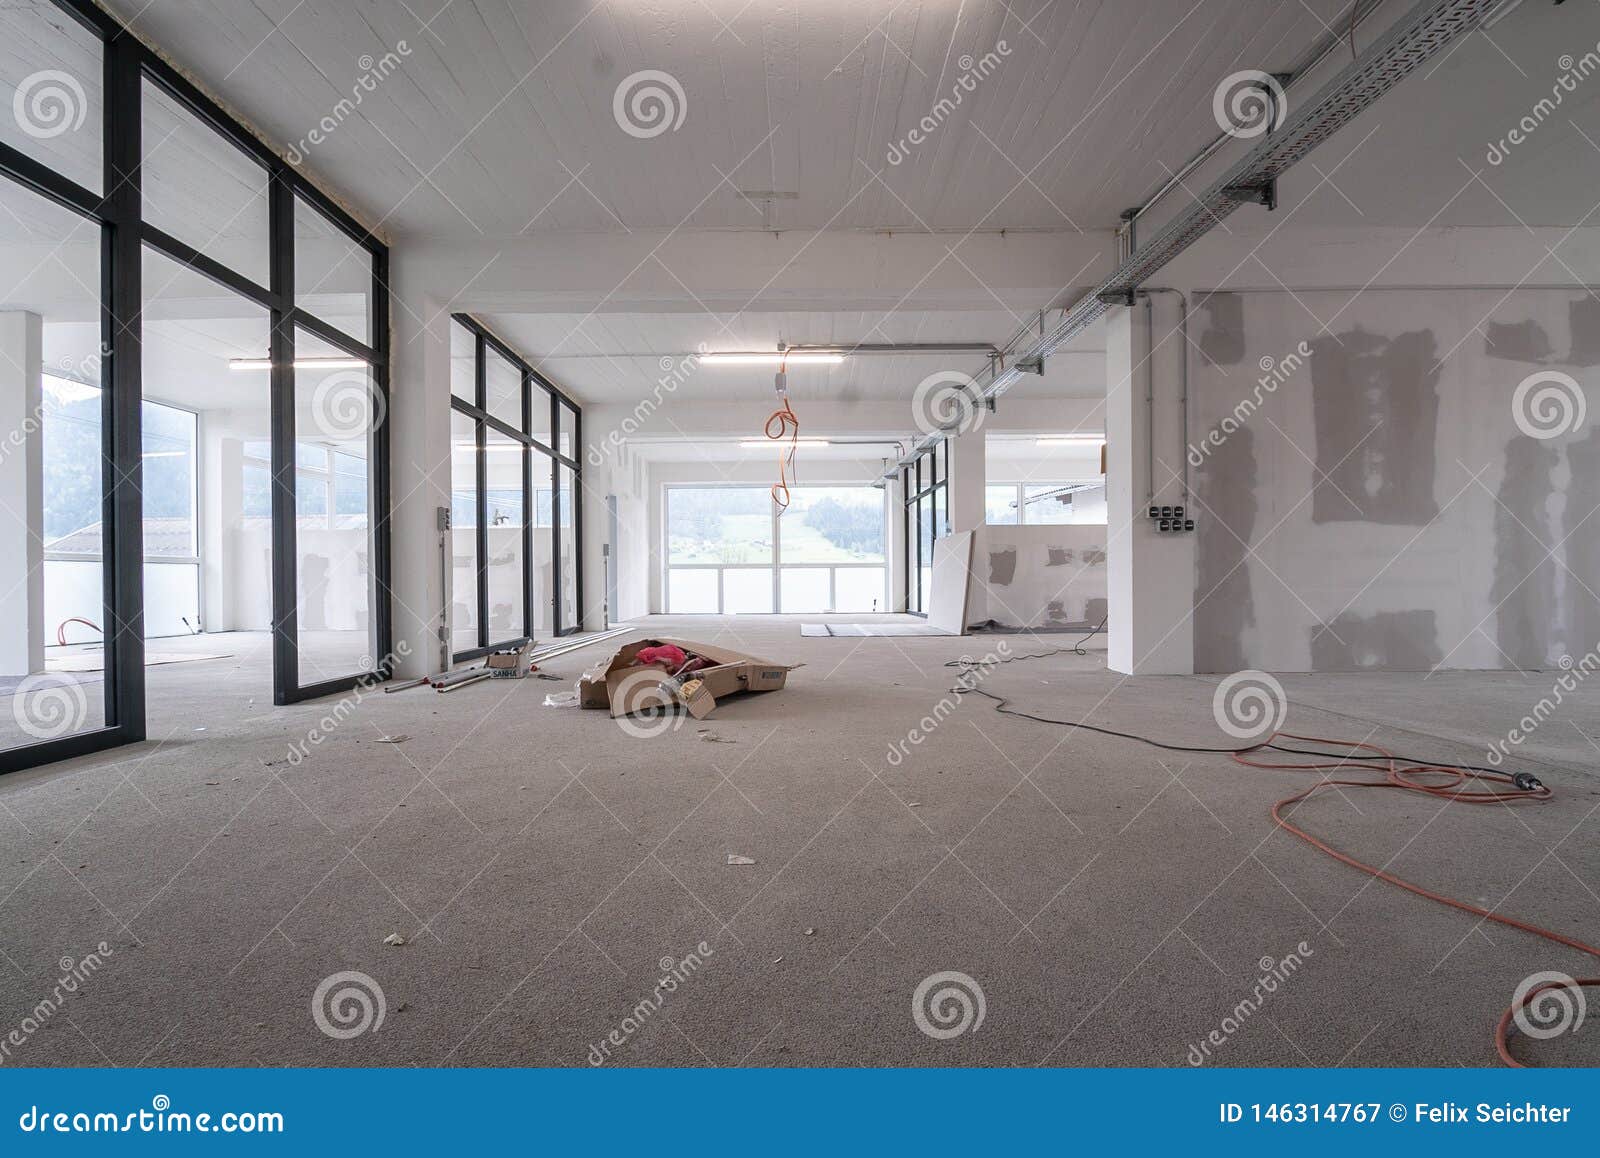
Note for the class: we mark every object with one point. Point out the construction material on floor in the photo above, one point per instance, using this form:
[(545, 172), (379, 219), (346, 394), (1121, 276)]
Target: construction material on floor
[(96, 660), (646, 675), (952, 567), (511, 663), (857, 630)]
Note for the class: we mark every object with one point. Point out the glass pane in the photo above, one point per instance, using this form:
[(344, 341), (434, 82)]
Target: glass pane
[(719, 525), (463, 533), (544, 570), (201, 408), (51, 472), (747, 591), (202, 190), (506, 515), (1047, 504), (858, 588), (335, 408), (50, 73), (169, 476), (804, 589), (691, 590), (332, 274), (463, 363), (503, 389), (539, 402), (568, 417), (567, 565), (1000, 505), (832, 525)]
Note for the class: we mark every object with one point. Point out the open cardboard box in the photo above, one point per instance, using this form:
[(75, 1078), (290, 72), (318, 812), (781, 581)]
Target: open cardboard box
[(616, 685)]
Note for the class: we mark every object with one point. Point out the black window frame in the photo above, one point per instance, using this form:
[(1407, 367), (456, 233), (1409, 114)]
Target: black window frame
[(923, 480), (486, 341), (126, 65)]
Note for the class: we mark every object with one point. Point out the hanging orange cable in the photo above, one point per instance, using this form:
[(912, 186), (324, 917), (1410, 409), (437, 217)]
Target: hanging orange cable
[(783, 423)]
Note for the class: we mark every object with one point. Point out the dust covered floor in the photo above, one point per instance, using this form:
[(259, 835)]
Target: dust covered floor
[(548, 869)]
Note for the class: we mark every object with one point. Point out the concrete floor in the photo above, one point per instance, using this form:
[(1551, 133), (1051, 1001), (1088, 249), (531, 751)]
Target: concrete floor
[(1114, 902)]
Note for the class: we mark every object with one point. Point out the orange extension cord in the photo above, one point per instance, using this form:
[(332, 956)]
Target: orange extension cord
[(1409, 778), (783, 423)]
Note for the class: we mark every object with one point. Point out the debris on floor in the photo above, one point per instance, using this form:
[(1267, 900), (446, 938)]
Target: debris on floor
[(656, 673), (811, 932), (711, 737), (400, 739), (733, 858), (394, 939)]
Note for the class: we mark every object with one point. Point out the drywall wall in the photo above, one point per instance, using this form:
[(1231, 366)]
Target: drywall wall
[(1049, 577), (1395, 479)]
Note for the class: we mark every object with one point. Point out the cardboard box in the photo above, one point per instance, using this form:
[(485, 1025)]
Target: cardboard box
[(617, 685)]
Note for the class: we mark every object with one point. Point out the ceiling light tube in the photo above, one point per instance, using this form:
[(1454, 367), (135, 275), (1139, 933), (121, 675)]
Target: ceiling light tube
[(780, 443), (1070, 440), (299, 364), (738, 358)]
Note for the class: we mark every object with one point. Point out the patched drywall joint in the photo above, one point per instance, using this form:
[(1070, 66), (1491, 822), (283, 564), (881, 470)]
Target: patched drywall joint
[(1524, 588), (1002, 567), (1222, 328), (1376, 404), (1387, 640), (1059, 557), (1517, 341)]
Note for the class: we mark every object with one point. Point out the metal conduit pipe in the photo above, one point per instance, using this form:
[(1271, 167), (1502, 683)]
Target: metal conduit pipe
[(1407, 45)]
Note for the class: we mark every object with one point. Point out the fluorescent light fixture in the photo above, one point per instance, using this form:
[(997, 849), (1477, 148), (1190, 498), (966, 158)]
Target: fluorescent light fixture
[(780, 443), (299, 364), (738, 358), (1070, 440)]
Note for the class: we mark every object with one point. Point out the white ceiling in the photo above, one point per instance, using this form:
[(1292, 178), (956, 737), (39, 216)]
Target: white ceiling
[(498, 117)]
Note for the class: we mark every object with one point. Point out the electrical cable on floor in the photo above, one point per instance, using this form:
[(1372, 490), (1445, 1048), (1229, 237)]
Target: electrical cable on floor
[(1402, 772)]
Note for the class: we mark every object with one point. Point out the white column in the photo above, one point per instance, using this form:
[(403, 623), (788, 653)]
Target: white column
[(968, 476), (21, 493), (1149, 574), (894, 506)]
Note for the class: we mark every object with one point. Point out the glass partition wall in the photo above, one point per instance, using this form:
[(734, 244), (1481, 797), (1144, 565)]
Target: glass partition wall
[(516, 522), (927, 511), (193, 382)]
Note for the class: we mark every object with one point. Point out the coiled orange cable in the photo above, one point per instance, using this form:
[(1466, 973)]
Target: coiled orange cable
[(1408, 778), (787, 425)]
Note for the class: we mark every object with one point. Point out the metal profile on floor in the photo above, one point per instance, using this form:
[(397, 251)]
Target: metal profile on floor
[(1408, 44)]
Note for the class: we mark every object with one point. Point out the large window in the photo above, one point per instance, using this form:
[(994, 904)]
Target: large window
[(1081, 502), (730, 551), (517, 522), (194, 345), (925, 486)]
